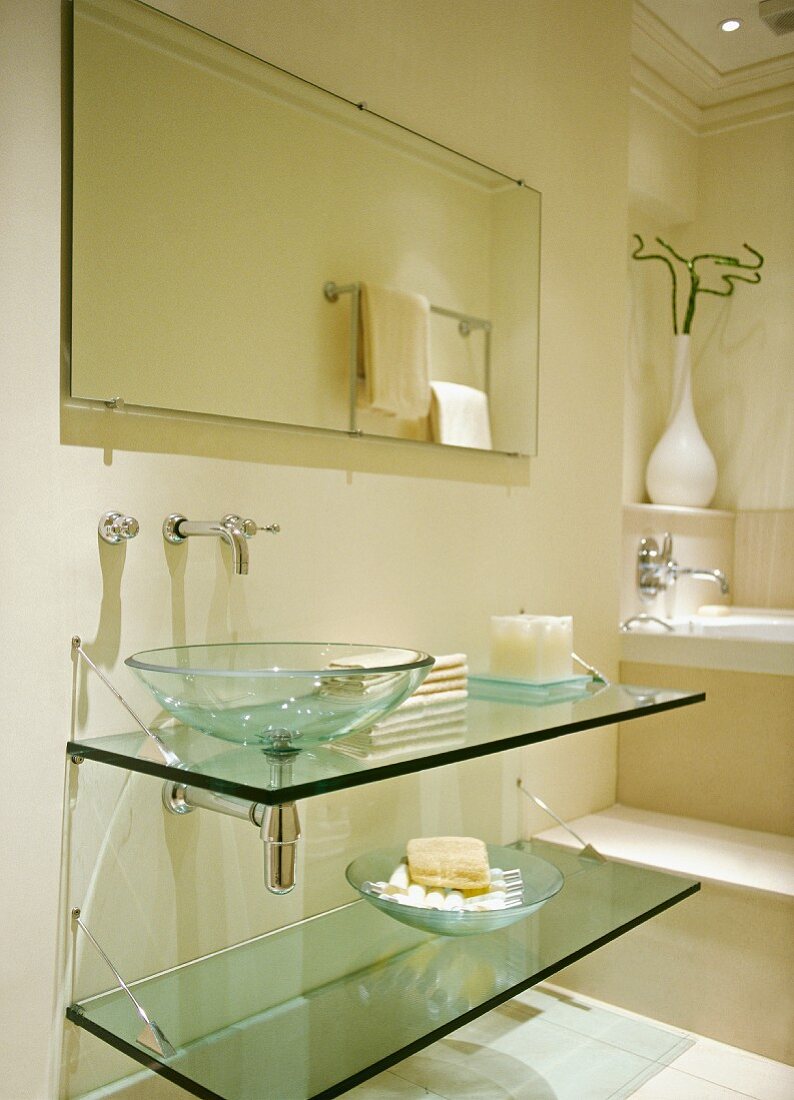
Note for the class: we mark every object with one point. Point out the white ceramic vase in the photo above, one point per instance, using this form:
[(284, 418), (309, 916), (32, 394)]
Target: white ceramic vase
[(682, 469)]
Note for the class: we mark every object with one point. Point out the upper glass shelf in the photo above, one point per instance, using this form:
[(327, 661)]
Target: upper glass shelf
[(311, 1010), (490, 721)]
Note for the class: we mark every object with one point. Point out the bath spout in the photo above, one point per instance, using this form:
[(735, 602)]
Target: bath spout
[(715, 575)]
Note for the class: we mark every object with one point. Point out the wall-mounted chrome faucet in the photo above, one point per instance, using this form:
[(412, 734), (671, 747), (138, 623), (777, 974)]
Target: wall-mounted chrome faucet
[(657, 570), (233, 529)]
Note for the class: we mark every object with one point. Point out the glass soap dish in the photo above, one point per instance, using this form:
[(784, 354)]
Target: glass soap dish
[(541, 881)]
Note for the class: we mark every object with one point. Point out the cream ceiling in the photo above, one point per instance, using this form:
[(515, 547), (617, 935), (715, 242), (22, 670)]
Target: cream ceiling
[(707, 78)]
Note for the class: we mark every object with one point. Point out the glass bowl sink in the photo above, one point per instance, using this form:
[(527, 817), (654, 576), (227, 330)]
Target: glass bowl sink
[(281, 696), (541, 880)]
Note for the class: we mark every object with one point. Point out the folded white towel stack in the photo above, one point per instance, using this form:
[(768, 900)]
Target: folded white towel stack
[(395, 352), (434, 717), (442, 693), (371, 746), (459, 416)]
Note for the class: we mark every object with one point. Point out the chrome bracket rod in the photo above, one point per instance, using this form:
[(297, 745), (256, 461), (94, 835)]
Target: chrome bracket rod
[(279, 826), (170, 757), (588, 851), (152, 1036), (599, 677)]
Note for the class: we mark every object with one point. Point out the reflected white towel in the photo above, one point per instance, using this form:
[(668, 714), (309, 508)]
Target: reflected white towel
[(398, 723), (459, 416), (395, 351), (432, 698), (446, 739)]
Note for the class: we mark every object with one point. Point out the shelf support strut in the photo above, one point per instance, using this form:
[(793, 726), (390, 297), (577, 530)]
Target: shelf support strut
[(152, 1036), (170, 757)]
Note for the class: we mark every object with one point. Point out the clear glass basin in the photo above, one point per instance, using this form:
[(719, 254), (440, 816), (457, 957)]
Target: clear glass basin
[(280, 695)]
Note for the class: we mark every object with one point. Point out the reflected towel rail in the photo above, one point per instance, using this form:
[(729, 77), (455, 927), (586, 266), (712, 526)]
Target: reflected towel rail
[(467, 324)]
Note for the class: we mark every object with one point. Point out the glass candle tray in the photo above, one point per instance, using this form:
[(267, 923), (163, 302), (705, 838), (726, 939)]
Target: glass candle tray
[(484, 724), (316, 1008)]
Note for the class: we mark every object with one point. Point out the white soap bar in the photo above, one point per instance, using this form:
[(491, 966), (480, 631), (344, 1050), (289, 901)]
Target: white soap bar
[(497, 896)]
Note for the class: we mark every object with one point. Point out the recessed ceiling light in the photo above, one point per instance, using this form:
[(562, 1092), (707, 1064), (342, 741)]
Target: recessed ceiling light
[(729, 25)]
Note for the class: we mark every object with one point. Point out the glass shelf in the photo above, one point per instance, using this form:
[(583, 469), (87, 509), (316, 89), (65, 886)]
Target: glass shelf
[(311, 1010), (491, 721)]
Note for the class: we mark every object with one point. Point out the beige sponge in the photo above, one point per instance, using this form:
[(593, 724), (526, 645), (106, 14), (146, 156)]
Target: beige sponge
[(459, 862)]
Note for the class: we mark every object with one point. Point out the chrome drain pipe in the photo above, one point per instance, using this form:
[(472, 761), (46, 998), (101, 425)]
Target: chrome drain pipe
[(279, 827)]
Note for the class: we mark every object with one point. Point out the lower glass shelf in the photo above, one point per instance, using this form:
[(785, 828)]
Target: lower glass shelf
[(314, 1009)]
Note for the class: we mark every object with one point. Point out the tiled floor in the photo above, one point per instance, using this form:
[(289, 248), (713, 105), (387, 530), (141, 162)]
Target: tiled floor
[(549, 1045)]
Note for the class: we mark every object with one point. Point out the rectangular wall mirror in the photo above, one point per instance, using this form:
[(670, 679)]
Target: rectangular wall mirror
[(215, 197)]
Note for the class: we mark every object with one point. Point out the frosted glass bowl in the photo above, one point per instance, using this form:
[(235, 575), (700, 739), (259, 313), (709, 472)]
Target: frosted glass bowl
[(281, 696), (541, 879)]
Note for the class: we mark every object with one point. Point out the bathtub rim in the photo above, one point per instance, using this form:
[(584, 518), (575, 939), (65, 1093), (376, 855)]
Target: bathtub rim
[(733, 654)]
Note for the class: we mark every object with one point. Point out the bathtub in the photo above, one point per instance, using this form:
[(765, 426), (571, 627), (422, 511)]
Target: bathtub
[(744, 640)]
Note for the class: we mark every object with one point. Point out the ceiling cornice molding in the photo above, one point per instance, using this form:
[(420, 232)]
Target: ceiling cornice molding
[(678, 81), (690, 75), (748, 111), (647, 85)]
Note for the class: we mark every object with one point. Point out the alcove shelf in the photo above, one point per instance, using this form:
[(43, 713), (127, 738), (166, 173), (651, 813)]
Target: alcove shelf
[(310, 1010)]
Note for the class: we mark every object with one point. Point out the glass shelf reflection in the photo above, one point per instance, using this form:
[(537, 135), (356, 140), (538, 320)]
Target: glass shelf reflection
[(312, 1010)]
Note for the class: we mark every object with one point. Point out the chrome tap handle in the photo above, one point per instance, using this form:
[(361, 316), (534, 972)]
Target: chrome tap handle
[(248, 527), (649, 568), (667, 548), (115, 527)]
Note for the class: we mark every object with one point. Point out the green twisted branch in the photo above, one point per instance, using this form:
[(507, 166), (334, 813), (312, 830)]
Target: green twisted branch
[(695, 288)]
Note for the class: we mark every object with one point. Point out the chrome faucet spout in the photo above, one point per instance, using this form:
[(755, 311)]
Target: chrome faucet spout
[(232, 536), (234, 530), (715, 575)]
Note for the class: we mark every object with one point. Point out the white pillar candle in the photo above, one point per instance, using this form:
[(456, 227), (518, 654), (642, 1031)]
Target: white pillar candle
[(556, 662), (532, 647)]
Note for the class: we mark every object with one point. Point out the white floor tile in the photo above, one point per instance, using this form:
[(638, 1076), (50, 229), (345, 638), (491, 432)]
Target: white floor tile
[(531, 1061), (547, 1044), (738, 1069), (388, 1086), (671, 1084), (482, 1074), (630, 1033)]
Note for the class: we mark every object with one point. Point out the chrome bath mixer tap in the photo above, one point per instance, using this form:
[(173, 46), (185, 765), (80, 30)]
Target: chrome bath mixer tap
[(657, 570)]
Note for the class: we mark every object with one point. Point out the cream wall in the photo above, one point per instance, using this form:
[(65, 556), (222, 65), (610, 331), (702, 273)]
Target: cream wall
[(744, 345), (663, 176), (728, 188), (377, 543)]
